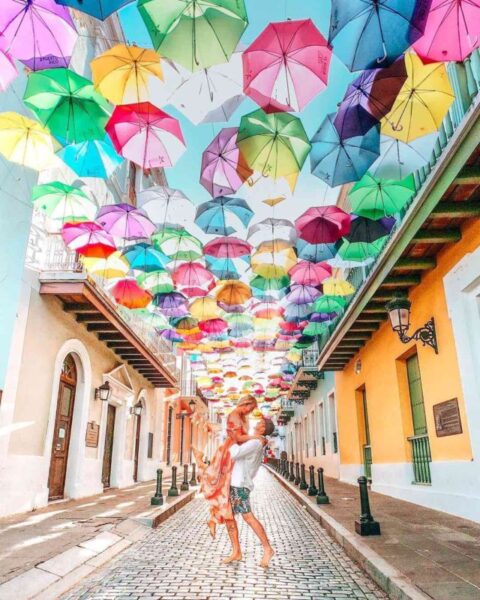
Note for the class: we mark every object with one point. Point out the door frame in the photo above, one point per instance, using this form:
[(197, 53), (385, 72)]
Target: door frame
[(142, 471)]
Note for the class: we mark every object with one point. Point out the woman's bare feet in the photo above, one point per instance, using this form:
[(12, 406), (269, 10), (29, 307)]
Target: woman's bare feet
[(235, 557), (213, 528), (267, 557)]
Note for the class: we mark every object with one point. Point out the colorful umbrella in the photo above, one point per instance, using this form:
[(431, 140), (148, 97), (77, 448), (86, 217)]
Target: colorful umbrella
[(323, 224), (233, 292), (307, 273), (452, 31), (195, 33), (193, 279), (8, 70), (186, 325), (377, 198), (269, 286), (39, 33), (125, 221), (177, 244), (297, 312), (63, 202), (204, 308), (275, 145), (302, 294), (372, 33), (314, 329), (217, 91), (146, 135), (144, 257), (213, 326), (223, 168), (25, 141), (315, 252), (122, 74), (227, 268), (128, 293), (170, 300), (398, 159), (100, 9), (329, 304), (112, 267), (336, 160), (227, 247), (212, 215), (156, 282), (334, 286), (365, 240), (286, 66), (93, 158), (422, 103), (273, 259), (272, 229), (89, 239), (151, 318), (165, 205)]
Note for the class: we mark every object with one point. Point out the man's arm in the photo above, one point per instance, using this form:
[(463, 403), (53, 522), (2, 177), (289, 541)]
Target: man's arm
[(246, 449)]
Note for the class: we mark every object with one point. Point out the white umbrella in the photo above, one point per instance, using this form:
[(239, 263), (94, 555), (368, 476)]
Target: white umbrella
[(166, 205), (272, 229), (398, 159)]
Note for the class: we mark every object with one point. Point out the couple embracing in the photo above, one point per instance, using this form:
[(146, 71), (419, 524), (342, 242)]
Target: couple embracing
[(228, 480)]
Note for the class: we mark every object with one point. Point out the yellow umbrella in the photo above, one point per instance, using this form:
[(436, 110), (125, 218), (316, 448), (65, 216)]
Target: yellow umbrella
[(113, 267), (234, 292), (422, 103), (273, 259), (123, 73), (204, 308), (337, 287), (26, 142)]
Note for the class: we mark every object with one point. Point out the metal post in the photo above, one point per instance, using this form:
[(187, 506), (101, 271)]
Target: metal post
[(322, 497), (157, 500), (193, 480), (184, 487), (312, 490), (291, 477), (297, 474), (285, 468), (303, 481), (366, 525), (173, 491)]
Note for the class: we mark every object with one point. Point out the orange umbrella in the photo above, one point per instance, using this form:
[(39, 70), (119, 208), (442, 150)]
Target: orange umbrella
[(128, 293), (234, 292)]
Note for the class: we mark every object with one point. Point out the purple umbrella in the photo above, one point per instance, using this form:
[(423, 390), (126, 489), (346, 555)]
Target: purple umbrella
[(169, 300), (170, 334), (223, 169), (125, 221), (39, 33), (232, 308), (303, 294), (175, 313), (322, 317)]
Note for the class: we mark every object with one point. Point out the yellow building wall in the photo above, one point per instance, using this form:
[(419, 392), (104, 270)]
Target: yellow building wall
[(383, 373)]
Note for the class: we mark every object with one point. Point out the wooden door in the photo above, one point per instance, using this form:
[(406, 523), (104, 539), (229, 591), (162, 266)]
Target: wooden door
[(62, 430), (137, 447), (107, 452)]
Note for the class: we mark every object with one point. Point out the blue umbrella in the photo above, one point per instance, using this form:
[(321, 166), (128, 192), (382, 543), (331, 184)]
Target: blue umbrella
[(225, 268), (336, 160), (101, 9), (297, 312), (211, 216), (93, 158), (315, 252), (144, 257), (373, 33)]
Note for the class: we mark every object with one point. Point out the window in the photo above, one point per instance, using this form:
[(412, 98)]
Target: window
[(150, 445), (321, 427), (305, 434), (313, 433)]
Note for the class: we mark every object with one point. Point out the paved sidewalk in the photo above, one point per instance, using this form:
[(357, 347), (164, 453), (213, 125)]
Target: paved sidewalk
[(179, 560), (438, 552)]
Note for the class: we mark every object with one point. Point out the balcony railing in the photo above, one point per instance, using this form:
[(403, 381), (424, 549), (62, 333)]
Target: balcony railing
[(421, 458)]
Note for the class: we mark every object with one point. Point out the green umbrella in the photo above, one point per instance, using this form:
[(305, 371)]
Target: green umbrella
[(195, 33), (315, 329), (177, 244), (67, 104), (156, 282), (275, 144), (360, 251), (329, 304), (377, 198), (63, 202), (270, 285), (153, 319)]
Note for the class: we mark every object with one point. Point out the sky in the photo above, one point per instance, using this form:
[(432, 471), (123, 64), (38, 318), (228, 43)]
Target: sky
[(309, 191)]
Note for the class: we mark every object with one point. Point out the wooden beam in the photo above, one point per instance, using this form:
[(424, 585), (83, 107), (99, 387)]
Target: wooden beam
[(110, 337), (384, 295), (401, 281), (124, 345), (79, 307), (460, 210), (374, 308), (410, 263), (437, 236), (101, 327), (91, 318), (364, 326), (370, 319), (357, 337), (469, 175)]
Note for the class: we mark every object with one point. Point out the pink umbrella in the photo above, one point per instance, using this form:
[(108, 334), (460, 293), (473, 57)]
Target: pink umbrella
[(312, 274), (128, 293), (452, 31), (146, 135), (323, 224), (8, 70), (213, 326), (125, 221), (286, 66), (39, 33), (227, 247), (193, 279), (89, 239), (223, 168)]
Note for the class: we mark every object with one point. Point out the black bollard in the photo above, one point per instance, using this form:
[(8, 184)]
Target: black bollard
[(285, 471), (303, 481), (297, 474), (193, 480), (291, 477), (366, 525), (173, 491), (157, 500), (184, 487), (322, 497), (312, 490)]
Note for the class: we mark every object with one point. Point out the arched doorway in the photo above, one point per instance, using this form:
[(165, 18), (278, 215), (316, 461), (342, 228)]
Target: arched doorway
[(63, 428)]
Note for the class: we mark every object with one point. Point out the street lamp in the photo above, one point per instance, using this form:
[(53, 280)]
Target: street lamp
[(399, 312), (137, 409), (103, 392)]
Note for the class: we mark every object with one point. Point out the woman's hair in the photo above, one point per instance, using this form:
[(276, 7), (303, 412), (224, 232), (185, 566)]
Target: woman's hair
[(269, 426), (247, 400)]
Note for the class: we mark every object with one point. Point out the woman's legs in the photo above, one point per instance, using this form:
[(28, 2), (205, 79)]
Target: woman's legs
[(259, 531), (232, 530)]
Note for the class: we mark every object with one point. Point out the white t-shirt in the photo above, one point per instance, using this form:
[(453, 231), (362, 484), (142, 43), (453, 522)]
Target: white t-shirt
[(247, 459)]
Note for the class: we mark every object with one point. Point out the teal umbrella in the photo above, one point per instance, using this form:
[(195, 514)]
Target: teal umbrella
[(377, 198)]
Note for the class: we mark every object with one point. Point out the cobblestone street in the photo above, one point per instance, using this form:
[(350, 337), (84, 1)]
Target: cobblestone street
[(179, 561)]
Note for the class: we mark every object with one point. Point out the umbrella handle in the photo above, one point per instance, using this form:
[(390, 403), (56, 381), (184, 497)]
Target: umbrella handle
[(385, 54)]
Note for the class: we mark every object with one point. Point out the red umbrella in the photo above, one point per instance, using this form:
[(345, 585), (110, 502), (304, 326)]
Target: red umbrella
[(286, 66), (227, 247), (89, 239), (307, 273), (213, 326), (128, 293), (193, 279), (323, 224)]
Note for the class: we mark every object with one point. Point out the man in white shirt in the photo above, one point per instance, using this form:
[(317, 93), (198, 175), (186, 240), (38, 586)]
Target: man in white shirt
[(247, 459)]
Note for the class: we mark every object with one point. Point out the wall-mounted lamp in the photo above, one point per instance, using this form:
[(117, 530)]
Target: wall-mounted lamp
[(103, 392), (399, 312), (137, 409)]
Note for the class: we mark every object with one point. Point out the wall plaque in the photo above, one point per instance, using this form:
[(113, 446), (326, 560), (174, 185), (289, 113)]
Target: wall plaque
[(91, 437), (447, 418)]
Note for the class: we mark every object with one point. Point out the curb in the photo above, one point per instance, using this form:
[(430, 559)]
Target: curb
[(392, 581)]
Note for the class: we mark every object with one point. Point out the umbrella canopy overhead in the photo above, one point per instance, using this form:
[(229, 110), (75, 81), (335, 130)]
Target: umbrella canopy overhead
[(63, 202), (100, 9), (88, 238), (272, 229), (286, 66), (398, 159), (177, 244), (375, 198), (92, 158), (227, 247), (8, 70), (212, 215), (125, 221), (144, 257), (323, 224), (165, 205)]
